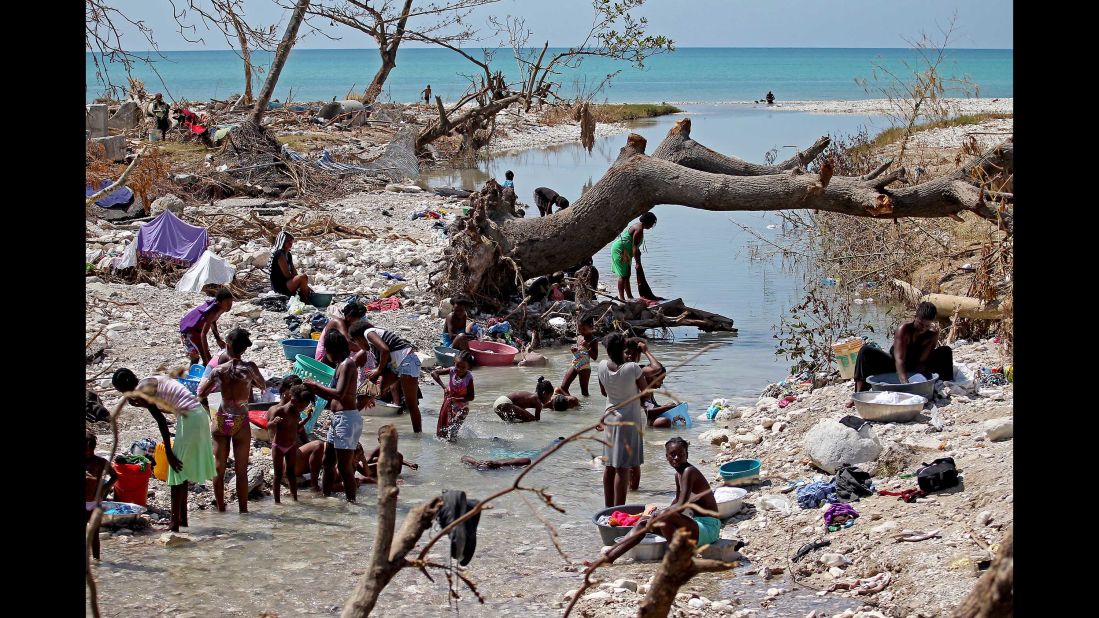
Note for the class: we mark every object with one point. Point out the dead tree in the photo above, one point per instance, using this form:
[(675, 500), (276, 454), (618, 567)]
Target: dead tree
[(387, 23), (227, 17), (994, 594), (285, 45), (103, 24), (684, 172)]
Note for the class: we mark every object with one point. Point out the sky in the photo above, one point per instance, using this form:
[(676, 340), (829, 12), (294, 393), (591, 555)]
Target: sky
[(690, 23)]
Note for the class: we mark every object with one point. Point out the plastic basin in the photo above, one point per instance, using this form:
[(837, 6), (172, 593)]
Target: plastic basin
[(740, 470), (888, 412), (321, 299), (293, 347), (679, 417), (891, 382), (492, 354), (729, 500), (609, 533), (445, 356), (650, 549), (309, 368), (131, 512)]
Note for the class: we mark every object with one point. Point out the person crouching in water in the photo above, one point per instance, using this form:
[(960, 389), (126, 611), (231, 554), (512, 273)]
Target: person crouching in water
[(191, 456), (201, 320), (457, 393), (231, 427), (691, 487), (454, 328), (285, 421), (347, 421), (397, 363)]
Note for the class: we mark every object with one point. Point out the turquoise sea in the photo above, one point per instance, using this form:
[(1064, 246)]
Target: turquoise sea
[(695, 74)]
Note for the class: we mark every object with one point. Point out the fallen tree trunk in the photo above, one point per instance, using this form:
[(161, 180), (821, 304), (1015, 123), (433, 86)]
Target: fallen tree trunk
[(636, 182), (994, 594), (677, 568), (947, 304)]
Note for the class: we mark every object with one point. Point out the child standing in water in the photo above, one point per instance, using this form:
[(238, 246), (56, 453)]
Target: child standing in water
[(583, 353), (94, 466), (457, 395), (509, 179), (285, 420)]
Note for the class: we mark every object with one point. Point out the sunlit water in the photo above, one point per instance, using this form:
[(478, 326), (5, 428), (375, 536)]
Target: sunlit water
[(297, 559)]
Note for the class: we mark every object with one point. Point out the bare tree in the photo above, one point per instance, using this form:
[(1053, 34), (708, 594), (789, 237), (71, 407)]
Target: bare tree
[(227, 17), (103, 26), (289, 38), (614, 33), (387, 22)]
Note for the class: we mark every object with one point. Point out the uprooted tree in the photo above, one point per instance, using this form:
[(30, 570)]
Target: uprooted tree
[(492, 242)]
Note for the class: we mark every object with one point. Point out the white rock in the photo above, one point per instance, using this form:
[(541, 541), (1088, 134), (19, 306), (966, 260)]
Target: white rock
[(984, 518), (778, 427), (884, 527), (835, 571), (727, 414), (696, 604), (774, 592), (626, 583), (570, 594), (830, 444), (717, 436), (834, 560), (766, 422), (750, 438), (600, 595), (167, 202), (174, 539), (766, 404), (999, 429)]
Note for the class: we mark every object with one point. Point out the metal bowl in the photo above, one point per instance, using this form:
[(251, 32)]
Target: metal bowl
[(650, 549), (891, 382), (888, 412), (124, 519)]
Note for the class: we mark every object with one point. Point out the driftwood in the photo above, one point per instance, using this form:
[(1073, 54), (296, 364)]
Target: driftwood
[(668, 314), (994, 594), (677, 568), (948, 304)]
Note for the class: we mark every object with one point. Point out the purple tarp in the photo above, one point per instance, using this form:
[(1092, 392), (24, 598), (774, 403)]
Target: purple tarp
[(168, 236), (121, 196)]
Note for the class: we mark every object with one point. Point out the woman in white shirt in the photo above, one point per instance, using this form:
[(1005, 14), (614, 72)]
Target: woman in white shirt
[(622, 383)]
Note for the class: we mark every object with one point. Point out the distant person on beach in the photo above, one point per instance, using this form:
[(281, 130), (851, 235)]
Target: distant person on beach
[(584, 351), (231, 428), (160, 111), (545, 199), (509, 179), (284, 419), (191, 455), (426, 94), (691, 488), (770, 98), (913, 351), (285, 279), (202, 320), (627, 247), (457, 393)]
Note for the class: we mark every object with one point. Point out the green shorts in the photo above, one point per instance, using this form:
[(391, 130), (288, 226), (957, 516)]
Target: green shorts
[(709, 529)]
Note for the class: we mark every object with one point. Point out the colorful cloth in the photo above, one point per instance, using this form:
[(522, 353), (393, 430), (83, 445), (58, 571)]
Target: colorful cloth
[(835, 510), (384, 304), (446, 340), (813, 495), (194, 447), (196, 316), (619, 518), (230, 418), (621, 253), (581, 360)]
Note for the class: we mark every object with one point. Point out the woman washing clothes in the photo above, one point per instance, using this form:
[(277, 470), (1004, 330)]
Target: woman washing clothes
[(913, 351), (397, 364), (285, 279), (628, 247), (352, 312)]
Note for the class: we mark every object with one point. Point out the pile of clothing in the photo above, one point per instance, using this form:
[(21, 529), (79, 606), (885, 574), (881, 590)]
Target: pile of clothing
[(618, 518), (848, 485), (717, 406)]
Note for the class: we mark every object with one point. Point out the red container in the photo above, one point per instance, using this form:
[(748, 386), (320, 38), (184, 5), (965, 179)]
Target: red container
[(489, 353), (132, 484)]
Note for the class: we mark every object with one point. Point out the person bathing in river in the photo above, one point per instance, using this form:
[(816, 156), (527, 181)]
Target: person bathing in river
[(201, 320), (913, 351), (284, 419), (457, 394), (545, 199), (191, 456), (513, 407), (553, 398), (621, 382), (231, 428), (368, 464), (691, 488), (584, 352), (454, 328), (285, 279), (511, 462), (347, 421), (397, 364), (352, 312), (628, 247), (654, 372)]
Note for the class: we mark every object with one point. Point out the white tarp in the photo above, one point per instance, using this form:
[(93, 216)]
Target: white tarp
[(129, 256), (208, 269)]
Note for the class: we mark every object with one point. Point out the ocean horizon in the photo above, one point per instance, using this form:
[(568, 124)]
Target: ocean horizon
[(690, 74)]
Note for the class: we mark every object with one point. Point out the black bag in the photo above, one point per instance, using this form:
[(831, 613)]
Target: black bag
[(938, 475)]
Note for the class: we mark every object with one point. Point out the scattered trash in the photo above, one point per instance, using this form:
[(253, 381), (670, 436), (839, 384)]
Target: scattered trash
[(868, 585), (915, 536)]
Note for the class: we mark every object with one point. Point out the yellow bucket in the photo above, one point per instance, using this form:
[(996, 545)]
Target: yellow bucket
[(315, 336), (845, 353)]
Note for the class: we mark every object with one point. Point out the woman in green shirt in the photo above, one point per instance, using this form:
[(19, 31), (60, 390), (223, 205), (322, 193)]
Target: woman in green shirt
[(626, 247)]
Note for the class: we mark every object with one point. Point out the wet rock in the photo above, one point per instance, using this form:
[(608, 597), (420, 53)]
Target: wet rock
[(749, 438), (728, 414), (772, 571), (696, 604), (831, 444), (766, 422), (174, 539), (885, 527)]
